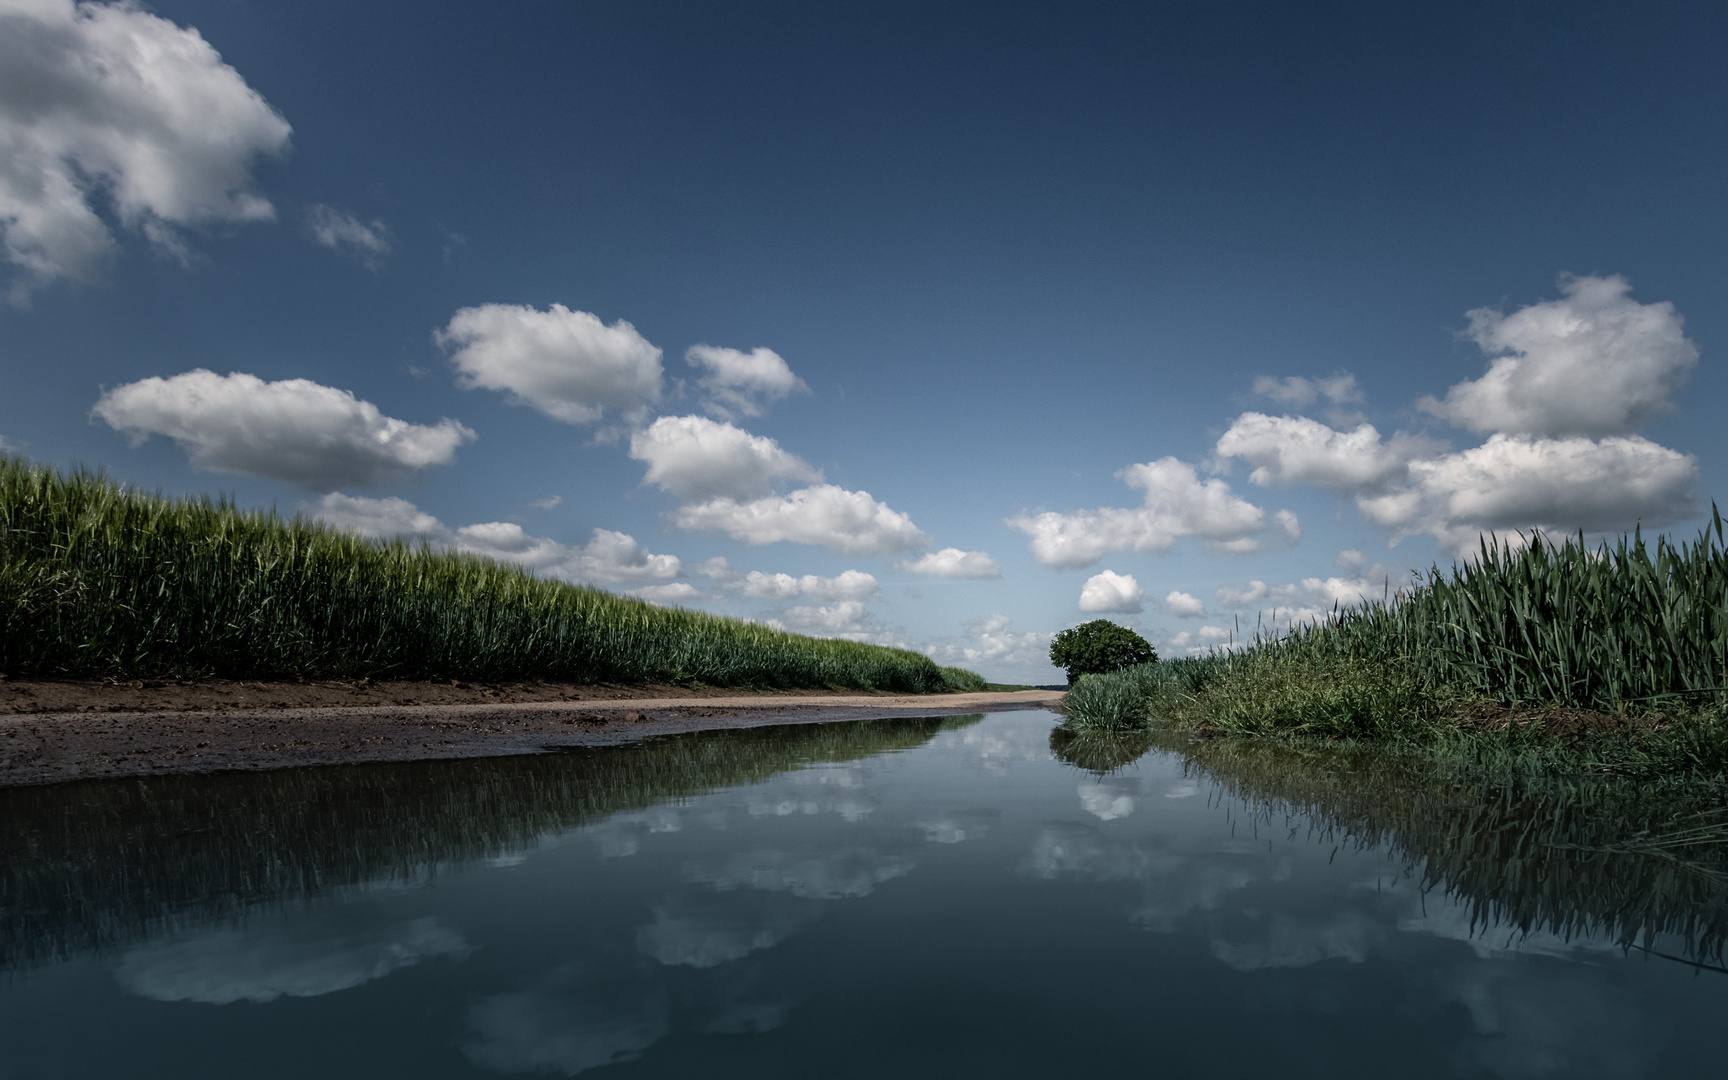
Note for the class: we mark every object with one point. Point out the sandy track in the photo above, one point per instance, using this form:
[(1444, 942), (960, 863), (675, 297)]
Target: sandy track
[(49, 747)]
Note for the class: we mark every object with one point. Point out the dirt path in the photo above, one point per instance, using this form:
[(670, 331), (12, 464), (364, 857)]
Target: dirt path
[(48, 747)]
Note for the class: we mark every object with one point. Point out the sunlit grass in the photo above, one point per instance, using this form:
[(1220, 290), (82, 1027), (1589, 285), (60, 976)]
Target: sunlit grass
[(101, 580), (1625, 629)]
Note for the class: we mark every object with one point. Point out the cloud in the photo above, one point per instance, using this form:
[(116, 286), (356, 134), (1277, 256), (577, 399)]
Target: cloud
[(1109, 798), (577, 1019), (1297, 450), (676, 592), (1559, 485), (1110, 591), (742, 383), (1298, 393), (848, 585), (993, 641), (848, 873), (567, 364), (380, 519), (696, 458), (1594, 363), (844, 619), (1177, 504), (1293, 942), (847, 522), (705, 935), (342, 232), (107, 104), (609, 558), (255, 966), (1183, 606), (954, 563), (294, 430)]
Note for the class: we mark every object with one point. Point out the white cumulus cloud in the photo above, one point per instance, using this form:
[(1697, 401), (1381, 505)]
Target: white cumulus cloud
[(1177, 504), (954, 563), (106, 106), (1298, 450), (1593, 363), (341, 231), (1110, 591), (1558, 485), (848, 585), (608, 558), (674, 592), (567, 364), (1297, 392), (1184, 606), (696, 458), (295, 430), (380, 519), (993, 641), (742, 383), (847, 522)]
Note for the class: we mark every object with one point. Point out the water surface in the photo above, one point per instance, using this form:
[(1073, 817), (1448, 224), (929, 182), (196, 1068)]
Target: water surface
[(967, 897)]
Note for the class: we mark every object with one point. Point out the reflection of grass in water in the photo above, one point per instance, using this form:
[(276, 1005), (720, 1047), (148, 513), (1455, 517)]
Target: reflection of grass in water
[(94, 864), (1098, 752), (1568, 855)]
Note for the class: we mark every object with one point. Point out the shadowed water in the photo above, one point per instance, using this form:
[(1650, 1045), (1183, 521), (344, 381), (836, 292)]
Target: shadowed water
[(969, 896)]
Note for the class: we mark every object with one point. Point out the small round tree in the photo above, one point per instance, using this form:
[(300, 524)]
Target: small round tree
[(1097, 647)]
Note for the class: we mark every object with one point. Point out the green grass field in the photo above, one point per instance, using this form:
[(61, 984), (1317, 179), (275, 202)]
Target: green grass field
[(100, 580), (1634, 629)]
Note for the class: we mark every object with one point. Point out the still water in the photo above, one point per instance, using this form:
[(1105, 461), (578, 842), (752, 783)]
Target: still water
[(968, 896)]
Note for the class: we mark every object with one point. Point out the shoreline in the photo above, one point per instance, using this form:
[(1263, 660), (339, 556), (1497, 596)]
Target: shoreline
[(55, 747)]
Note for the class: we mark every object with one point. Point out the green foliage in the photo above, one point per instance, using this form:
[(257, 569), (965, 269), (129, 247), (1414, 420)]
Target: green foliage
[(1617, 629), (1098, 647), (101, 580), (960, 681)]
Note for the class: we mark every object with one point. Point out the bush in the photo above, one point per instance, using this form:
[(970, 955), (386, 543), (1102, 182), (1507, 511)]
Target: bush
[(1097, 648)]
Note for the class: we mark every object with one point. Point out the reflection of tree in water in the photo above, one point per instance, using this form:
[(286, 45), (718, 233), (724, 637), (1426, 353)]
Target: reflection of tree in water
[(1100, 751), (1571, 856), (98, 863)]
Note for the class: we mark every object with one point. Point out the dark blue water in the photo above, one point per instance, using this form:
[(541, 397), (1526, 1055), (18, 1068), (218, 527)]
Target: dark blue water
[(912, 902)]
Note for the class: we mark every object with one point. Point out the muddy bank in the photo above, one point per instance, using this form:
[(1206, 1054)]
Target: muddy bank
[(49, 747)]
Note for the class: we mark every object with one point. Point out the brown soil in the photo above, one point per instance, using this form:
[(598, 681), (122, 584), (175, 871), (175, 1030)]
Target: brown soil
[(105, 730), (218, 695)]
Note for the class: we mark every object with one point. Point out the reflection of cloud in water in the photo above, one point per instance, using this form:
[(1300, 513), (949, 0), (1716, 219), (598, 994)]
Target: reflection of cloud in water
[(710, 932), (1109, 797), (1183, 788), (825, 789), (1176, 884), (1449, 917), (954, 826), (574, 1020), (1293, 942), (995, 747), (621, 835), (747, 1018), (1534, 1019), (1069, 850), (1187, 885), (852, 872), (259, 966)]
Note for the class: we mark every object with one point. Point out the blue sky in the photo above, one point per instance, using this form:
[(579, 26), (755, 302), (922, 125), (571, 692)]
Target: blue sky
[(1035, 279)]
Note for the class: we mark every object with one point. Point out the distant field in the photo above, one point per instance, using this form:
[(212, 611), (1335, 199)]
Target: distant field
[(98, 580)]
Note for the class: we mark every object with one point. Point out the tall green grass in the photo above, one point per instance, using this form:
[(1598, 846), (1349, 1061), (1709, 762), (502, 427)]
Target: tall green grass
[(1629, 628), (101, 580)]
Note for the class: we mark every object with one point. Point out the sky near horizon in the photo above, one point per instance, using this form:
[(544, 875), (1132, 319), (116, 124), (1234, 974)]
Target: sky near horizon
[(944, 325)]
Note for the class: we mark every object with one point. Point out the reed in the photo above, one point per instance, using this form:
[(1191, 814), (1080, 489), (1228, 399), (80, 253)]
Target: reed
[(1627, 628), (97, 579)]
